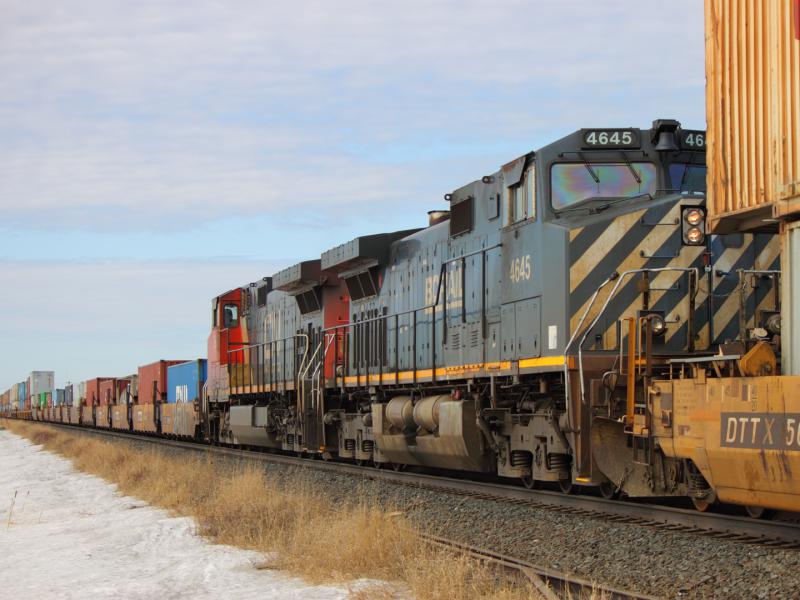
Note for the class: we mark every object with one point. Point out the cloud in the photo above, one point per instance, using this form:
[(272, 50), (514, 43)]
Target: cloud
[(141, 116), (156, 153)]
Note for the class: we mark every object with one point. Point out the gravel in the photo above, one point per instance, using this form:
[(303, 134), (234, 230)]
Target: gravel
[(634, 557), (638, 558)]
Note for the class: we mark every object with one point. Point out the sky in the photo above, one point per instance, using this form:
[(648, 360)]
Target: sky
[(154, 154)]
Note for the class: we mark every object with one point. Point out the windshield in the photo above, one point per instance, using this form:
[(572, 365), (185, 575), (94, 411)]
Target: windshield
[(688, 178), (575, 182)]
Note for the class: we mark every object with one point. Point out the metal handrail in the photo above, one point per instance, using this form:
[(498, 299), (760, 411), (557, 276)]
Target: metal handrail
[(387, 316), (348, 327), (305, 366), (571, 341), (324, 354), (620, 279)]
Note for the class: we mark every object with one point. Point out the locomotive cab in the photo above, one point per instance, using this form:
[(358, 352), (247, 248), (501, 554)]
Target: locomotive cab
[(647, 288), (227, 335), (597, 271)]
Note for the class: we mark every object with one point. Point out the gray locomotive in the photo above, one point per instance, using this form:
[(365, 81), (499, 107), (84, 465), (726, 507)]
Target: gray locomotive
[(515, 335)]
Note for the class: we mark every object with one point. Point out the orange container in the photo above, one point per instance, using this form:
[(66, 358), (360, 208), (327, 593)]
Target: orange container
[(119, 417), (144, 417), (753, 112), (87, 415), (102, 416)]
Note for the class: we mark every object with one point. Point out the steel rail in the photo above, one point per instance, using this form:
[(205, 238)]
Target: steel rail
[(776, 534), (551, 584)]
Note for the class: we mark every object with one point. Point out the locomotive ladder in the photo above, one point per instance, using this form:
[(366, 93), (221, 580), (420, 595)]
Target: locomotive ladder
[(312, 397), (640, 439)]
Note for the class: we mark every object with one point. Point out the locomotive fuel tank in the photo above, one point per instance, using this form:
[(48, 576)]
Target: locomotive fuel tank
[(436, 431)]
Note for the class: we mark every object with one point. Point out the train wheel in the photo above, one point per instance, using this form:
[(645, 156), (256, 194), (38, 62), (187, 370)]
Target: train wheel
[(530, 483), (398, 467), (377, 465), (757, 512), (359, 463), (566, 487), (608, 490), (704, 505)]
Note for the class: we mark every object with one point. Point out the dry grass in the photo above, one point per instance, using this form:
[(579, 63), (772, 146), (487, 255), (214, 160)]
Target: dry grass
[(244, 506)]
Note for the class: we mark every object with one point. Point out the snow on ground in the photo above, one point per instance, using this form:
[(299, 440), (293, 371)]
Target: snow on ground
[(72, 535)]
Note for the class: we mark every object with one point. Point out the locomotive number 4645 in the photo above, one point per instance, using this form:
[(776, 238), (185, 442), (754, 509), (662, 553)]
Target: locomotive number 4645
[(520, 269), (610, 138)]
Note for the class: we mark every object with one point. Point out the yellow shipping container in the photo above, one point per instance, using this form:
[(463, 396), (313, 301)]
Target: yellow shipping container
[(753, 112)]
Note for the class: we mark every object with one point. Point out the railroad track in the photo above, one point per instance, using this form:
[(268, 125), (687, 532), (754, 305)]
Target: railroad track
[(775, 534), (552, 585)]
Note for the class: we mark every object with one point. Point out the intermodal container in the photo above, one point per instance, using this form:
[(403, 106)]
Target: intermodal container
[(753, 112), (185, 381), (120, 388), (111, 390), (153, 381), (39, 382), (73, 394), (23, 395), (93, 396), (128, 390), (58, 396), (106, 393)]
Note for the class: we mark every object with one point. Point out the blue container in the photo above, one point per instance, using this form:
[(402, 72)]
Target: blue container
[(58, 397), (23, 394), (185, 381)]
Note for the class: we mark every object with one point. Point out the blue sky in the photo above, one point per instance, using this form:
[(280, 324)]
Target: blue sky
[(157, 153)]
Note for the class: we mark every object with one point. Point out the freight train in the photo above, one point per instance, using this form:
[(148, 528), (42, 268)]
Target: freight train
[(546, 328)]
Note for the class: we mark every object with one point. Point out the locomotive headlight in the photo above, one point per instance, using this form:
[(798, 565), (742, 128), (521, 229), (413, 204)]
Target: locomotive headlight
[(694, 236), (655, 321), (773, 324), (693, 226), (657, 324), (693, 217)]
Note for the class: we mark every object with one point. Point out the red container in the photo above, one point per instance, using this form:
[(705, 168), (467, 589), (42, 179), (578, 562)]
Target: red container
[(94, 397), (110, 389), (153, 381)]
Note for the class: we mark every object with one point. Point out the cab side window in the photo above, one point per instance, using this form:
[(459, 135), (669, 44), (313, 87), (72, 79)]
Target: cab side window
[(230, 316), (520, 199)]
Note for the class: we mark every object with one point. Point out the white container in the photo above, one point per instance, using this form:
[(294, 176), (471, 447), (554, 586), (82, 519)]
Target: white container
[(41, 382)]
